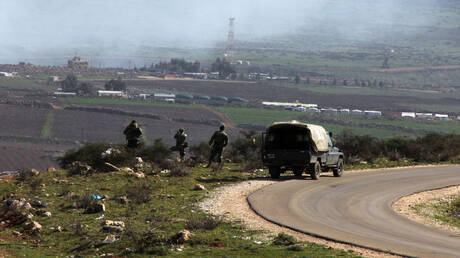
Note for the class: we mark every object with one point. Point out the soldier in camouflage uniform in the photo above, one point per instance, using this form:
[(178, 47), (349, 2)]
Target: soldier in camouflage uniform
[(133, 134), (218, 142), (181, 144)]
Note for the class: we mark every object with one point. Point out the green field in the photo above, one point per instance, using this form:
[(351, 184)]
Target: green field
[(110, 101), (380, 127), (22, 84)]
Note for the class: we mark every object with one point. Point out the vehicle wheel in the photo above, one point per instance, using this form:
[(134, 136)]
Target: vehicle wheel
[(316, 171), (274, 172), (298, 171), (338, 171)]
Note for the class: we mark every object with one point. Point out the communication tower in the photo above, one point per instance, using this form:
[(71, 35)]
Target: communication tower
[(230, 40)]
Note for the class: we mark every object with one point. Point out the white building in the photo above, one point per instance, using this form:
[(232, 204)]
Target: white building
[(423, 115), (442, 117), (110, 93), (344, 111), (286, 104), (372, 113), (408, 114), (64, 94), (357, 112)]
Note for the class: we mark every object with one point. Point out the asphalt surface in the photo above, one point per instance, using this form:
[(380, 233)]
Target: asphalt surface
[(356, 209)]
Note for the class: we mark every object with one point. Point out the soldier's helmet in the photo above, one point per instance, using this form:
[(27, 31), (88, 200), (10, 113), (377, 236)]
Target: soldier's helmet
[(222, 127)]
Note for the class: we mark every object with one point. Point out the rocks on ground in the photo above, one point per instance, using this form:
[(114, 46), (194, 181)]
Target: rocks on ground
[(181, 237), (113, 226), (199, 187), (80, 168), (95, 207)]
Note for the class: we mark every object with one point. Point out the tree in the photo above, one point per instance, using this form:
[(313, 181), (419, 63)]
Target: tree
[(223, 67), (85, 88), (117, 85), (70, 83)]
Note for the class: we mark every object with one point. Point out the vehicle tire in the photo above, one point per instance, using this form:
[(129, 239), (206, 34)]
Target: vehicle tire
[(338, 171), (298, 171), (274, 172), (315, 171)]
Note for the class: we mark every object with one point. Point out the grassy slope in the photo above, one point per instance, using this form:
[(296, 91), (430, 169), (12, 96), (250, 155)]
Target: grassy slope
[(173, 203)]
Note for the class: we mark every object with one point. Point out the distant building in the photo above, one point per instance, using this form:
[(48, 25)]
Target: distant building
[(408, 114), (213, 76), (284, 104), (372, 113), (203, 76), (442, 117), (329, 111), (423, 115), (110, 93), (170, 76), (357, 112), (64, 94), (163, 96), (77, 63), (344, 111)]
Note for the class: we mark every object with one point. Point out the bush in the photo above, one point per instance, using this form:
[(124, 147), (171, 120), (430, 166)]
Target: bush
[(284, 239), (179, 170), (427, 148), (94, 154), (156, 153), (25, 174), (139, 193), (246, 150), (200, 153), (153, 243), (206, 223)]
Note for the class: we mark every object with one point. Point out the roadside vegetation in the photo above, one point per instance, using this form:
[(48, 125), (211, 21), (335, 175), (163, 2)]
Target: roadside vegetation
[(446, 209)]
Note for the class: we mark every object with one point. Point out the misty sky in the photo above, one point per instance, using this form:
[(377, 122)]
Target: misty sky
[(33, 25)]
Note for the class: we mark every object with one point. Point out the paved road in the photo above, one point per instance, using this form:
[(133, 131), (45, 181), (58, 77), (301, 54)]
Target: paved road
[(356, 208)]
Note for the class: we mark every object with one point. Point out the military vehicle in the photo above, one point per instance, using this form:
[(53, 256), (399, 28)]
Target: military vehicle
[(300, 147)]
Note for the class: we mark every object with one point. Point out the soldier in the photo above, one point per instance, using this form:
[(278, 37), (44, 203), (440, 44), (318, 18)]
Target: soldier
[(218, 142), (333, 141), (133, 134), (181, 144)]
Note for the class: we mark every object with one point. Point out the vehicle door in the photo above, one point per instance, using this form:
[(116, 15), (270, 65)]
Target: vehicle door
[(332, 154)]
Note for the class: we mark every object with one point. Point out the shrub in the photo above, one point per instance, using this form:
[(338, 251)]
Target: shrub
[(25, 174), (139, 193), (284, 239), (151, 242), (200, 153), (95, 155), (206, 223), (179, 170), (156, 153)]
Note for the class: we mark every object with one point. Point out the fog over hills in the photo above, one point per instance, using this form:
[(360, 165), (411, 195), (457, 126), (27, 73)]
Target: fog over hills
[(34, 28)]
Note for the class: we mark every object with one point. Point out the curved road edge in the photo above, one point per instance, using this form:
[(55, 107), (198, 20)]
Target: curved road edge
[(305, 230)]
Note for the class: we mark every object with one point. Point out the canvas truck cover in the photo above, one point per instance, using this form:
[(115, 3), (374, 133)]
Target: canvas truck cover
[(318, 134)]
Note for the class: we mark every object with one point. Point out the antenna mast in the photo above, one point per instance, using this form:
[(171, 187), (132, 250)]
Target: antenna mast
[(230, 40)]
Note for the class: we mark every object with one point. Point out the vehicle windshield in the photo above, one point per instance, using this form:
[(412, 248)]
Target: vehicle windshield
[(288, 138)]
